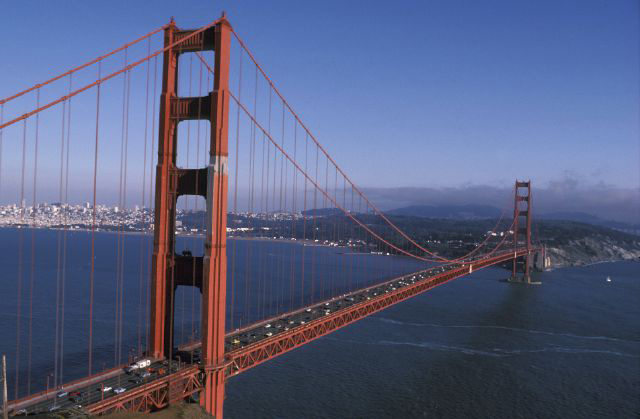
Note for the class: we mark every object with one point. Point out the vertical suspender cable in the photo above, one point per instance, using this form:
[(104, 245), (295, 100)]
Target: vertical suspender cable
[(151, 167), (282, 190), (327, 286), (304, 219), (276, 281), (336, 236), (119, 255), (33, 244), (268, 271), (235, 194), (344, 234), (119, 221), (142, 204), (315, 233), (93, 224), (283, 204), (59, 254), (353, 243), (293, 213), (20, 259), (124, 208), (1, 119), (65, 231), (251, 209), (263, 273)]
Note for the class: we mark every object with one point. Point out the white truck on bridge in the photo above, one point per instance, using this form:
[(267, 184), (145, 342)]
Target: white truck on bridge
[(143, 363)]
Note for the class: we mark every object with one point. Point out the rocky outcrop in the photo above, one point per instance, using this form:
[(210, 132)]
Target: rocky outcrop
[(592, 249)]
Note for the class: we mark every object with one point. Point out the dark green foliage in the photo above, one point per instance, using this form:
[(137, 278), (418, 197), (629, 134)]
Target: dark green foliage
[(448, 237)]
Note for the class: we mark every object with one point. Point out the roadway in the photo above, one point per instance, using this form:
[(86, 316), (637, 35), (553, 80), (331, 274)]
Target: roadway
[(268, 328), (91, 392)]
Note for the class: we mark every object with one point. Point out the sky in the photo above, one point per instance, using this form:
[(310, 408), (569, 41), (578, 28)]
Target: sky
[(406, 94)]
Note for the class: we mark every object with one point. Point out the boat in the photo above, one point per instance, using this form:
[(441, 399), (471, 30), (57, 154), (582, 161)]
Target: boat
[(608, 279)]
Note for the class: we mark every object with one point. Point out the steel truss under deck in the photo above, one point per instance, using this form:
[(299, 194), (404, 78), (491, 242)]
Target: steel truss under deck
[(188, 381)]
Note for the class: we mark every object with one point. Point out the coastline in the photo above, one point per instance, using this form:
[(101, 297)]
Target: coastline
[(587, 251)]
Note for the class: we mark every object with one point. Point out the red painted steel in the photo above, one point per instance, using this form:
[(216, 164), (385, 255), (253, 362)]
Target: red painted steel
[(25, 401), (153, 396), (264, 350), (215, 257), (166, 272), (165, 211), (522, 266), (100, 80), (185, 383), (171, 181), (80, 67)]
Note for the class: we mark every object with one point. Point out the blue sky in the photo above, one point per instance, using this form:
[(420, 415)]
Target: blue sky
[(408, 93)]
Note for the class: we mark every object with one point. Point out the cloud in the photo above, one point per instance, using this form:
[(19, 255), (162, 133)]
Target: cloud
[(566, 194)]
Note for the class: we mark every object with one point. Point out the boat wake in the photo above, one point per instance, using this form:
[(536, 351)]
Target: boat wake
[(495, 352), (513, 329)]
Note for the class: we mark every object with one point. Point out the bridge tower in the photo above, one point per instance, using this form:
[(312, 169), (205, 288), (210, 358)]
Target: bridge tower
[(522, 232), (169, 270)]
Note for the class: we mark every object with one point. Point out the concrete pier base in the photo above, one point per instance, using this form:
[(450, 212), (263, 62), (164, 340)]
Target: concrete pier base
[(523, 281)]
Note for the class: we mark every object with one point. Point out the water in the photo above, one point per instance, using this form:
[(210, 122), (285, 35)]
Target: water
[(475, 347), (260, 272)]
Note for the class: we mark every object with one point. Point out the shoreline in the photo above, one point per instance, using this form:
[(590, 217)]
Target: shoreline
[(591, 264), (310, 243)]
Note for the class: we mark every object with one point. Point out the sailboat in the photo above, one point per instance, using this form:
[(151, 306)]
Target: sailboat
[(608, 279)]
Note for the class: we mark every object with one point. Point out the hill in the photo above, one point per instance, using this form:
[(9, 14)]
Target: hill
[(461, 212)]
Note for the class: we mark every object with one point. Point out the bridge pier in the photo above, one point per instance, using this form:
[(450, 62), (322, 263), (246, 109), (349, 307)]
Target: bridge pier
[(209, 272), (214, 290), (522, 266)]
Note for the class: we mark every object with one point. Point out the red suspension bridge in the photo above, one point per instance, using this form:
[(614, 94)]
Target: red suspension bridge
[(232, 161)]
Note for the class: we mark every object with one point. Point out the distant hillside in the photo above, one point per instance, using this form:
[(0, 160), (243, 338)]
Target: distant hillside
[(476, 212), (459, 212), (571, 243), (584, 217), (568, 243), (323, 212)]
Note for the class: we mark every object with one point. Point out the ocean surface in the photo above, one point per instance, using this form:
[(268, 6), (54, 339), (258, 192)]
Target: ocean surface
[(475, 347)]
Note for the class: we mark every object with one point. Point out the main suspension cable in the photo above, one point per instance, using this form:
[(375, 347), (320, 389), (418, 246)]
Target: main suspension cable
[(80, 67)]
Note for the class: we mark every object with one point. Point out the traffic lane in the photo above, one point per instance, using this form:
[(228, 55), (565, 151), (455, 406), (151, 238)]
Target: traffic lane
[(268, 329), (80, 383), (285, 322), (89, 394), (93, 393)]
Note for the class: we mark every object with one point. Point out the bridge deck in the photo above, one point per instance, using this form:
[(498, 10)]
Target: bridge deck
[(250, 346)]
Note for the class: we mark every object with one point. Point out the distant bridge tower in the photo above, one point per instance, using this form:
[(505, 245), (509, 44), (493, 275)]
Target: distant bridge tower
[(169, 269), (522, 232)]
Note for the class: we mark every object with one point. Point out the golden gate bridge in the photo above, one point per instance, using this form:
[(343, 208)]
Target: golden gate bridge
[(231, 150)]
